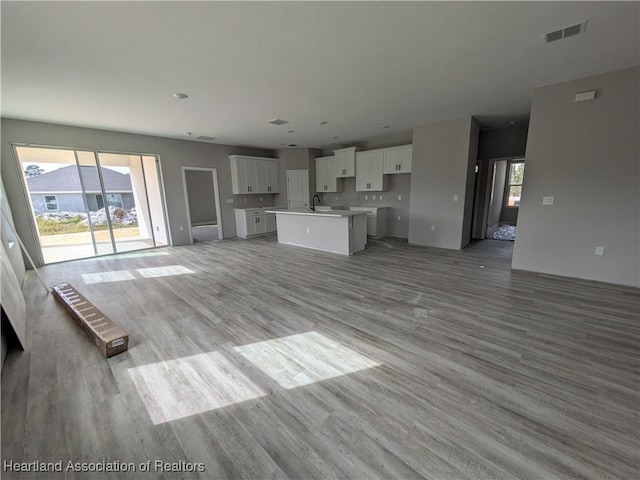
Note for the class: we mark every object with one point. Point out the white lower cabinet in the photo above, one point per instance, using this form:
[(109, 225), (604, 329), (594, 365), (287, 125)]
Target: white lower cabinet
[(251, 222), (377, 220)]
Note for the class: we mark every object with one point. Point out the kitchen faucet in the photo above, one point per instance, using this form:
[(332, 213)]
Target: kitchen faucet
[(313, 202)]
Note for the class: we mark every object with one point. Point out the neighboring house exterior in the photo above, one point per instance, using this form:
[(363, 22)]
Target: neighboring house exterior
[(61, 190)]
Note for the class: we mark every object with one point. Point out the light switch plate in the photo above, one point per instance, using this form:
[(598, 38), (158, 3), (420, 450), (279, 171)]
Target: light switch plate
[(455, 198), (547, 200), (399, 197), (599, 251)]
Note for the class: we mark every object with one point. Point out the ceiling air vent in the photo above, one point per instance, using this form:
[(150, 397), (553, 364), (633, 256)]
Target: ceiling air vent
[(204, 138), (565, 32), (277, 121)]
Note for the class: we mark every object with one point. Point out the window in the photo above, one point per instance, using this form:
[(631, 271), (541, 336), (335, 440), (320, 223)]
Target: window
[(114, 200), (514, 187), (51, 202)]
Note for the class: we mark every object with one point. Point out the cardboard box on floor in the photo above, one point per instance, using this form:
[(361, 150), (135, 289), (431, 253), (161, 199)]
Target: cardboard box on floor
[(108, 337)]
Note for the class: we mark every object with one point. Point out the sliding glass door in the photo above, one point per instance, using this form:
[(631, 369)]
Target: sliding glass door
[(88, 203)]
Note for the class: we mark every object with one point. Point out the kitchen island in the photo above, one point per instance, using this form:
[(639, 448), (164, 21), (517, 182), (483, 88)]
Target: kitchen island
[(335, 231)]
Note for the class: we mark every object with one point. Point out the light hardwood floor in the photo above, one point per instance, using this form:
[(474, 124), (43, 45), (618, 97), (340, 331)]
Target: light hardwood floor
[(463, 368)]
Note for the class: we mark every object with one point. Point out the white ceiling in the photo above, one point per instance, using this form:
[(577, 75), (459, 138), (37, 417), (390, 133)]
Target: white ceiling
[(356, 65)]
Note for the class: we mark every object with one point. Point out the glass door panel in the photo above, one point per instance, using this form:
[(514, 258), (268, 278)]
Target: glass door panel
[(54, 189), (126, 201), (98, 217)]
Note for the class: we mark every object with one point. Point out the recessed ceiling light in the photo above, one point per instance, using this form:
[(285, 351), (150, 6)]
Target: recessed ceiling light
[(277, 121), (386, 126), (290, 131), (180, 96), (292, 145), (324, 122)]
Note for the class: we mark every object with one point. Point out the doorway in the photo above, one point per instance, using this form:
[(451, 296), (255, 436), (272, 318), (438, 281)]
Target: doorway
[(297, 188), (87, 203), (504, 201), (202, 199)]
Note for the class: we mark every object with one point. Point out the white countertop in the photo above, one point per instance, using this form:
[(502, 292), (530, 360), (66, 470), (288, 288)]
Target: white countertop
[(319, 213), (370, 207), (260, 208)]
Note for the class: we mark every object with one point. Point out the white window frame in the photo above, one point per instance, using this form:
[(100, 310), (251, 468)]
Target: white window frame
[(508, 184)]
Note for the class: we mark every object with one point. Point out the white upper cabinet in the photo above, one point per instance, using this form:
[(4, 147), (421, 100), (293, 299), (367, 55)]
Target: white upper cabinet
[(369, 171), (345, 162), (326, 178), (253, 174), (398, 159)]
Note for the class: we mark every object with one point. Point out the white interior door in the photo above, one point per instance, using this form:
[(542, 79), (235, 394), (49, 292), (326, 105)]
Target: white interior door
[(297, 188)]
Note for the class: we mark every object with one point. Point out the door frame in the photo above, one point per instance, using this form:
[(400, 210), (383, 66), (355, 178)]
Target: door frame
[(306, 171), (216, 197)]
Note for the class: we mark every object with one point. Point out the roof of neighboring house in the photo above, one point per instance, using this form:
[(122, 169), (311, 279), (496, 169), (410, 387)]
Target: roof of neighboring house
[(66, 179)]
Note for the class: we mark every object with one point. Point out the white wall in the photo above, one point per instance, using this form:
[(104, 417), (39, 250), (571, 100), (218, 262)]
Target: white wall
[(13, 268), (443, 154), (173, 153), (586, 155)]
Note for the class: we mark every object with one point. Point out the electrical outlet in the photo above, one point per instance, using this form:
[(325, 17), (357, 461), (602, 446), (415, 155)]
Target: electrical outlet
[(245, 200), (399, 197), (398, 217), (336, 197), (261, 199), (599, 251), (366, 197), (307, 229), (373, 197), (547, 200), (433, 228), (181, 228), (455, 198), (380, 197), (229, 200)]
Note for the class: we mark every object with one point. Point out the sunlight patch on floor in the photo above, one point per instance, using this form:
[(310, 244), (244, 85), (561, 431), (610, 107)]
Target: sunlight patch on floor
[(165, 271), (305, 358), (187, 386), (120, 275)]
